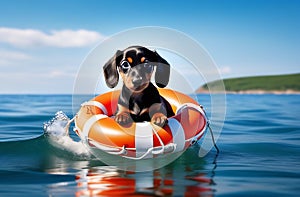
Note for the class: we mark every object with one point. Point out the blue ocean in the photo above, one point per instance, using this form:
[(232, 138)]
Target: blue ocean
[(259, 154)]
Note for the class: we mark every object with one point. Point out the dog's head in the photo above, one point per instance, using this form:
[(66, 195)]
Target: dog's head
[(136, 65)]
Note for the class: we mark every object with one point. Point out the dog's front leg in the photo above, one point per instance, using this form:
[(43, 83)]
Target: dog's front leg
[(158, 114), (123, 115)]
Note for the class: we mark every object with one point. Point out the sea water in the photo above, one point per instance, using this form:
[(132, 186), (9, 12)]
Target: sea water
[(259, 154)]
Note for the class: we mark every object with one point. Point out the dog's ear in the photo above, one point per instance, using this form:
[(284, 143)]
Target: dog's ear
[(111, 74), (162, 74)]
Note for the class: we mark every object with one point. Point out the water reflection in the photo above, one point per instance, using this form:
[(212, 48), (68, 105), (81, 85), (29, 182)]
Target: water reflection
[(187, 176)]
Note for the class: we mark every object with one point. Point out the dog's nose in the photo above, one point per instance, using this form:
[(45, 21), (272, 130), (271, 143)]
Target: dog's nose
[(137, 81)]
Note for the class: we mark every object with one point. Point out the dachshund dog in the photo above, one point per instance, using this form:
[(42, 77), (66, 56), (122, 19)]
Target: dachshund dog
[(139, 99)]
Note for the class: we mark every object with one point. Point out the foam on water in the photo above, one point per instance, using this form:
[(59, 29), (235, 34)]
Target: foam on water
[(57, 131)]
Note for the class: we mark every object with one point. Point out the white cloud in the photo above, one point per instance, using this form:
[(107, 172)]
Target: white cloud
[(35, 38)]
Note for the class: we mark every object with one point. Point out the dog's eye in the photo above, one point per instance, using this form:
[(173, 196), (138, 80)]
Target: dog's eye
[(125, 66), (148, 67)]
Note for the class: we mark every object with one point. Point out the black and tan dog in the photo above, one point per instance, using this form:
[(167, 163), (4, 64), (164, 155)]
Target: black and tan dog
[(139, 99)]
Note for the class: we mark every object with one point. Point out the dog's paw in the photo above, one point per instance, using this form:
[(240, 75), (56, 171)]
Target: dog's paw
[(123, 118), (159, 119)]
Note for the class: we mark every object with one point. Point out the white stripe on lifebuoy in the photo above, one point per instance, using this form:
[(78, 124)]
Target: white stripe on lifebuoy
[(96, 104), (90, 122), (177, 133), (143, 139)]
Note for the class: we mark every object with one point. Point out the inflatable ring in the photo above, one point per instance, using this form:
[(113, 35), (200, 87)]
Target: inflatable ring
[(95, 125)]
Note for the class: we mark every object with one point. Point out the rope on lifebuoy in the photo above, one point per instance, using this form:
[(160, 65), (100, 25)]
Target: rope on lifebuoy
[(191, 105), (110, 150), (200, 109)]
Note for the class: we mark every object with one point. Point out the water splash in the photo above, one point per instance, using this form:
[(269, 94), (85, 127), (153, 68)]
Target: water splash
[(57, 126), (57, 131)]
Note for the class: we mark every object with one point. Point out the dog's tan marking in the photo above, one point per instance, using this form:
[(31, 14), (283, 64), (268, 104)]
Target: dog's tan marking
[(143, 59), (129, 60)]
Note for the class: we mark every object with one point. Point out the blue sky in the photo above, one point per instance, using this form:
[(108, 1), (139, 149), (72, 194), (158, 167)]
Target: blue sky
[(43, 43)]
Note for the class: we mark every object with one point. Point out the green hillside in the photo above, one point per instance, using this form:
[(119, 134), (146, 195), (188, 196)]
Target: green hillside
[(265, 83)]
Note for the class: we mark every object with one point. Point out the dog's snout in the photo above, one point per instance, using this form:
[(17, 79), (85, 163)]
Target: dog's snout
[(136, 77), (137, 81)]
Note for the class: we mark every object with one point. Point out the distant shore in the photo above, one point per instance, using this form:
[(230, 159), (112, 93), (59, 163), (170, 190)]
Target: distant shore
[(277, 92), (274, 84)]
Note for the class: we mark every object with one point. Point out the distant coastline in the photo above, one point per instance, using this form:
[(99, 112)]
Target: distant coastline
[(276, 84)]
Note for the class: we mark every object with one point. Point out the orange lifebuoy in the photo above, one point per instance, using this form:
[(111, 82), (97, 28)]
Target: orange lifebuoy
[(95, 125)]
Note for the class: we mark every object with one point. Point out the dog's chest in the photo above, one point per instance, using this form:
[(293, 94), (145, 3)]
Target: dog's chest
[(138, 105), (136, 109)]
